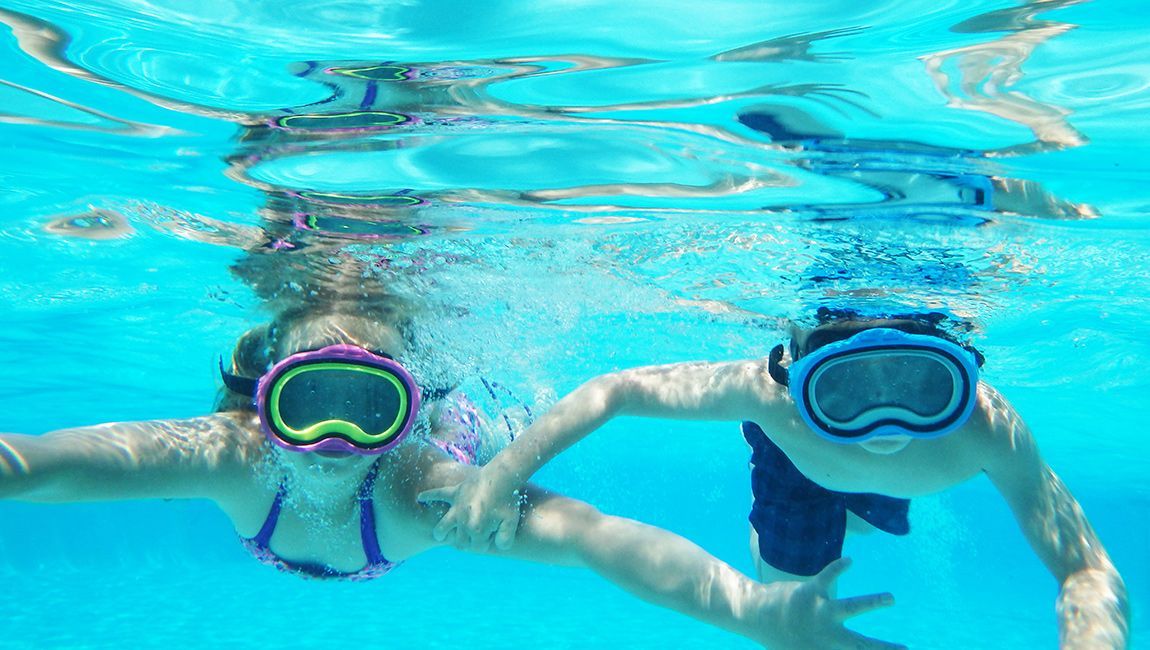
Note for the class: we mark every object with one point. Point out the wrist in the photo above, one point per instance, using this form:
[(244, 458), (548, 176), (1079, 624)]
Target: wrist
[(499, 477), (1093, 611), (765, 620)]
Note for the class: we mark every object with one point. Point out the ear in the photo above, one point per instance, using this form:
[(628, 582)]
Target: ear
[(250, 357), (978, 358), (778, 373)]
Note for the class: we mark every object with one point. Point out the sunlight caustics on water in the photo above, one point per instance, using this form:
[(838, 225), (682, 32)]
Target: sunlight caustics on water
[(567, 189)]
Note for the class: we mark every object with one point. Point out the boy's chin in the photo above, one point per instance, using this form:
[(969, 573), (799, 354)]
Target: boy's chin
[(884, 445)]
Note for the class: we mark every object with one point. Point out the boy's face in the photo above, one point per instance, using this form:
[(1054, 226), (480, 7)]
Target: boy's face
[(869, 381), (888, 444)]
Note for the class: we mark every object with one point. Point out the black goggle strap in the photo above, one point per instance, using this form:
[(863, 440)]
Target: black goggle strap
[(978, 358), (778, 373), (238, 384)]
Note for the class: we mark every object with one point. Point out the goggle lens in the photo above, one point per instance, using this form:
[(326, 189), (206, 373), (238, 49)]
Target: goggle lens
[(309, 395), (854, 392)]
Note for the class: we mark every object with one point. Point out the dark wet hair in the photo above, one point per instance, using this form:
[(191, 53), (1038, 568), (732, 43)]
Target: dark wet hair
[(841, 324), (837, 324)]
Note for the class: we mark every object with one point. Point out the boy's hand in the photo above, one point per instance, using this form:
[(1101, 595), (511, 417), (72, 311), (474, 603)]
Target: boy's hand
[(481, 511), (803, 615)]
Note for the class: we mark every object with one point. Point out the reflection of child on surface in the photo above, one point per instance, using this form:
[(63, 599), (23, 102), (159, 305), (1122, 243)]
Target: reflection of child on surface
[(321, 479), (870, 413), (986, 75)]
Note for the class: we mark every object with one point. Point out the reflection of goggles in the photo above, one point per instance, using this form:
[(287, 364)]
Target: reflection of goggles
[(353, 121), (382, 72), (884, 381), (401, 199), (339, 398), (346, 228)]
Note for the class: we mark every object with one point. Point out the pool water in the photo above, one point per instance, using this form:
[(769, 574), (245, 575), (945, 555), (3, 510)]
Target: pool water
[(568, 189)]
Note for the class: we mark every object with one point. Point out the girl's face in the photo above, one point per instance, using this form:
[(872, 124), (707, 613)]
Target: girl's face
[(326, 464), (321, 331)]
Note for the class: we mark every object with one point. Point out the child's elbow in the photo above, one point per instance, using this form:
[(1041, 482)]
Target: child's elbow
[(607, 393)]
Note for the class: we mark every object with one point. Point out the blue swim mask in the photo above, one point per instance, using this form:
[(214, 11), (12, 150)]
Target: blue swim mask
[(882, 381)]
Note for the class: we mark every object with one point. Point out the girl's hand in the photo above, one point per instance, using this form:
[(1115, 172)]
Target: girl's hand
[(481, 510)]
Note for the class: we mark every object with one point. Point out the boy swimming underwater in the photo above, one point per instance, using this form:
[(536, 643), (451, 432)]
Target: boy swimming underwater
[(869, 413)]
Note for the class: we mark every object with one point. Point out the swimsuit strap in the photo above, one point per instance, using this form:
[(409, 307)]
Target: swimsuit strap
[(367, 518), (264, 537)]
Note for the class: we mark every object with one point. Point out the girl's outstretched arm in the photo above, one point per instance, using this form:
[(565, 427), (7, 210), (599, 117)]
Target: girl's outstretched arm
[(651, 563), (670, 571), (125, 460)]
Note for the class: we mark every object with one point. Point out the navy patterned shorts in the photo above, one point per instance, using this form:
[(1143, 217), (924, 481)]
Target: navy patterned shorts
[(801, 524)]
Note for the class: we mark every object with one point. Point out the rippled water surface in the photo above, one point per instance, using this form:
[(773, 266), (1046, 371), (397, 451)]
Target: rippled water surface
[(568, 189)]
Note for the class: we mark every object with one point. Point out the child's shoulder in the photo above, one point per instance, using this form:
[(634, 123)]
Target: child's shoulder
[(996, 428)]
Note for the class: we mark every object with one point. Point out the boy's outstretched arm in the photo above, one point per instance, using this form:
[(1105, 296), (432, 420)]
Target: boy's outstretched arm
[(1092, 608), (486, 503)]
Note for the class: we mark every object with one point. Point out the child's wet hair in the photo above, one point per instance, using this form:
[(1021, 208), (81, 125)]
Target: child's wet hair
[(261, 347), (837, 324)]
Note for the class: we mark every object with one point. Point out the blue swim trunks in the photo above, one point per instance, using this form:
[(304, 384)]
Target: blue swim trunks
[(801, 525)]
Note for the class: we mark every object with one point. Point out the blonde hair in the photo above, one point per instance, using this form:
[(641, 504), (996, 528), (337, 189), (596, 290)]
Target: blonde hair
[(261, 347)]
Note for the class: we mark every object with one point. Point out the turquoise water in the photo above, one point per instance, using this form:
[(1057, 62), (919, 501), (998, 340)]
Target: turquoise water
[(599, 186)]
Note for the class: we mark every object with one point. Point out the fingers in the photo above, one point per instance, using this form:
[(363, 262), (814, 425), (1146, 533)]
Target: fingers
[(845, 608), (479, 544), (440, 494), (480, 534), (505, 536), (856, 641), (467, 526), (448, 522), (443, 528), (449, 531), (850, 607), (826, 578)]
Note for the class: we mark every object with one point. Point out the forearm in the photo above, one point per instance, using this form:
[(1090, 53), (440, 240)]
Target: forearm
[(667, 570), (571, 419), (683, 391), (16, 479), (651, 563), (38, 468), (1092, 607), (1093, 613)]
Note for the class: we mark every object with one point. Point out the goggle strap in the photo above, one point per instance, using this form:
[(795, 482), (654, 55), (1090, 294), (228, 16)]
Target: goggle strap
[(237, 384), (978, 358), (778, 373)]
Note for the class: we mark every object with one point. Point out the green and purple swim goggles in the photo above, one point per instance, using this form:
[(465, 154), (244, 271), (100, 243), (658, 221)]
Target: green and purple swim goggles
[(338, 398), (882, 381)]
